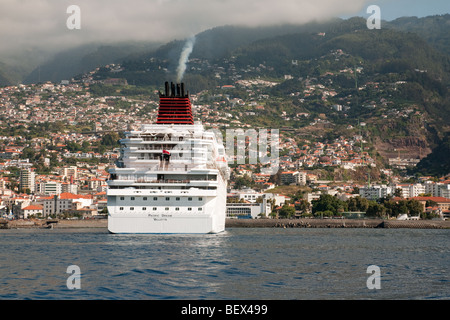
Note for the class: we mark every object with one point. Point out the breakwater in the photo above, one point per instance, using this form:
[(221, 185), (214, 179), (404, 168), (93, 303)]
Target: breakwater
[(337, 223), (53, 224), (246, 223)]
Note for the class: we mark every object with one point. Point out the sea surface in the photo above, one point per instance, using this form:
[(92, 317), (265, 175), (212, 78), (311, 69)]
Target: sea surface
[(239, 264)]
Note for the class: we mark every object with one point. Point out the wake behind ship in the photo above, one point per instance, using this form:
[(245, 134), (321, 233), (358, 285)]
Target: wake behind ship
[(171, 176)]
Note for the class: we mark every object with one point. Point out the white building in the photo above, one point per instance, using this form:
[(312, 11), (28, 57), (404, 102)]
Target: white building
[(410, 190), (278, 199), (313, 196), (293, 177), (64, 202), (437, 189), (444, 191), (27, 179), (249, 195), (375, 192), (248, 210), (69, 188), (48, 187), (32, 210), (68, 172)]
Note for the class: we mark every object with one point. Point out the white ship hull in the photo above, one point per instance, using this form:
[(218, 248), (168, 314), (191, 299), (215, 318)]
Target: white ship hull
[(186, 194), (211, 219), (166, 224)]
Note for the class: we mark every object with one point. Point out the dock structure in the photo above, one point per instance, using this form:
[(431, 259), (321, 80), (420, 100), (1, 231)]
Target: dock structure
[(4, 224)]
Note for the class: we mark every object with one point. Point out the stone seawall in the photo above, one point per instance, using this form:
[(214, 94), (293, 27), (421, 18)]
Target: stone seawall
[(53, 224), (246, 223), (336, 223)]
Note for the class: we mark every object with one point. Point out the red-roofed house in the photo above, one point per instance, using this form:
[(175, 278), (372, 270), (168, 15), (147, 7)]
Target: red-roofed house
[(442, 203), (32, 210)]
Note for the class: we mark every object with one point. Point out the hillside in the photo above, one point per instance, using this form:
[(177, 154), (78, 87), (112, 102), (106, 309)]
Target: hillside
[(437, 163), (4, 79), (433, 29), (319, 81), (213, 44), (67, 64), (393, 81)]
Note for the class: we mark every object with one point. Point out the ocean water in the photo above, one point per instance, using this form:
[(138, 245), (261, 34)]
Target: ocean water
[(239, 264)]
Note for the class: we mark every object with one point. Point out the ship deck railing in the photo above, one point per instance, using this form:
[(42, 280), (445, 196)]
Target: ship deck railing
[(143, 180), (177, 168), (174, 138)]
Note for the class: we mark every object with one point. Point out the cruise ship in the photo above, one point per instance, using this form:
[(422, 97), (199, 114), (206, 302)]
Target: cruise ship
[(171, 176)]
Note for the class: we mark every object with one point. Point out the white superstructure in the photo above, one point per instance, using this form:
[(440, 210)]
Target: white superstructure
[(170, 178)]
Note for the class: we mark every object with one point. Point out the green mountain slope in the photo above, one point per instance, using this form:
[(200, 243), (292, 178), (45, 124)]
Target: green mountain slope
[(72, 62), (433, 29)]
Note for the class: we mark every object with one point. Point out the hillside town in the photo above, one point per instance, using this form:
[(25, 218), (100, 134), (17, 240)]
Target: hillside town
[(57, 142)]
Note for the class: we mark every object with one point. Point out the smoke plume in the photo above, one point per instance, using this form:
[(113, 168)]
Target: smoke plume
[(187, 49)]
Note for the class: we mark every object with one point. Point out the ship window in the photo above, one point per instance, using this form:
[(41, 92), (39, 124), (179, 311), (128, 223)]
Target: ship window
[(154, 208), (131, 208), (132, 198), (177, 209), (177, 198), (189, 199), (189, 209), (145, 198), (200, 209), (121, 208), (144, 208), (200, 199), (167, 208), (155, 198), (122, 198), (167, 198)]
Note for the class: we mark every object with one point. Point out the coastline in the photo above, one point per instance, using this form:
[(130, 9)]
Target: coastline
[(337, 223), (246, 223)]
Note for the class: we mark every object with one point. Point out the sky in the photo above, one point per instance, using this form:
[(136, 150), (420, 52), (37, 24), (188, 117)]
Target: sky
[(43, 23), (392, 9)]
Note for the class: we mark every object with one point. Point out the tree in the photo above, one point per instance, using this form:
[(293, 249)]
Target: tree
[(28, 153), (244, 181), (358, 204), (286, 211), (401, 207), (376, 210), (328, 202), (394, 208), (303, 206), (73, 146), (398, 192), (415, 208), (110, 139)]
